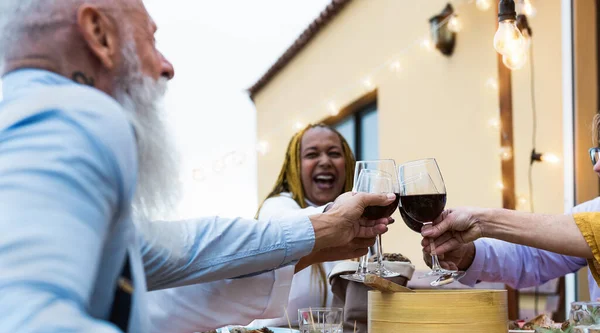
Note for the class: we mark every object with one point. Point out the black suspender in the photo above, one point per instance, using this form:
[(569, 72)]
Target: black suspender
[(121, 307)]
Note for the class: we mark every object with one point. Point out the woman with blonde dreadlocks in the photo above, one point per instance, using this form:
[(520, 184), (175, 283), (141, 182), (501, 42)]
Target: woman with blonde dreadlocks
[(318, 167)]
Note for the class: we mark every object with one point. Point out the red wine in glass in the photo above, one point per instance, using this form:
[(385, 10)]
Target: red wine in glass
[(424, 207), (377, 212), (413, 224)]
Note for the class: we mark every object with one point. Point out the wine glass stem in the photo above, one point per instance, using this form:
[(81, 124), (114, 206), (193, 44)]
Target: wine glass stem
[(435, 263), (363, 267), (379, 256)]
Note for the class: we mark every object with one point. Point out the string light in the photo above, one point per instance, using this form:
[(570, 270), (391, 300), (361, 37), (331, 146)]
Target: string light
[(494, 123), (522, 200), (262, 147), (483, 5), (333, 109), (492, 83), (544, 157), (500, 185), (427, 45), (528, 9), (454, 24), (368, 83), (550, 158), (395, 66), (506, 153)]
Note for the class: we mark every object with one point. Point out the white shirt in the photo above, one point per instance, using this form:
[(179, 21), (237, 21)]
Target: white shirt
[(306, 285)]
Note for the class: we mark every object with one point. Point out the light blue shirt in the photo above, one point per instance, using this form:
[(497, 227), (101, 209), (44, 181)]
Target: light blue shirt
[(67, 178)]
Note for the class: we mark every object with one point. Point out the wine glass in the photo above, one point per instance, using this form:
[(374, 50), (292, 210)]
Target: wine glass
[(377, 176), (422, 199)]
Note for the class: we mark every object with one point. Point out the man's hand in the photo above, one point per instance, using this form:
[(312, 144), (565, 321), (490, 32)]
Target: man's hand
[(453, 229), (459, 259), (356, 248), (343, 221)]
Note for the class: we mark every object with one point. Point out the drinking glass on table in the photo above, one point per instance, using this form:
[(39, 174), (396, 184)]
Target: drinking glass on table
[(321, 320)]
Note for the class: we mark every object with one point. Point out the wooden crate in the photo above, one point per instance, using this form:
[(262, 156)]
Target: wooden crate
[(438, 311)]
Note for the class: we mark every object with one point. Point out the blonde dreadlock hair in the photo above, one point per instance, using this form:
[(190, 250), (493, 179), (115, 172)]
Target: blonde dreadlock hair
[(290, 180)]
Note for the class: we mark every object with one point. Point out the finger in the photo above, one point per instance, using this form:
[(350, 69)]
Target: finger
[(436, 230), (370, 223), (442, 216), (450, 245), (362, 243), (370, 232), (425, 242), (443, 238), (376, 199)]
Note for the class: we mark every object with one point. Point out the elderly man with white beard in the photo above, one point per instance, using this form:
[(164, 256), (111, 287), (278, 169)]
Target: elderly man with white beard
[(84, 164)]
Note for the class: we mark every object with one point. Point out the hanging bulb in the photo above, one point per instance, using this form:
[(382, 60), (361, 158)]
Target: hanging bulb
[(508, 39), (454, 24), (515, 60), (483, 5), (427, 44)]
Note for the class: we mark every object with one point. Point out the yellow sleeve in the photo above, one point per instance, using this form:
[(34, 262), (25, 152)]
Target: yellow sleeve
[(589, 225)]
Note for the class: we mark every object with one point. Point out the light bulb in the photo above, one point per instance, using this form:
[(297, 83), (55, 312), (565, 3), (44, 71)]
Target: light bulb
[(333, 110), (508, 39), (298, 125), (528, 9), (494, 123), (505, 153), (483, 4), (522, 200), (550, 158), (262, 147), (395, 66), (500, 185), (515, 60), (368, 84), (492, 83), (454, 24), (427, 44)]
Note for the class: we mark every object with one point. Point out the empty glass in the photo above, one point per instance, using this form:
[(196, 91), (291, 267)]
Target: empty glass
[(321, 320)]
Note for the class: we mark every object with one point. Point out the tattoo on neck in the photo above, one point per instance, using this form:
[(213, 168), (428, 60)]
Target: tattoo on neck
[(81, 78)]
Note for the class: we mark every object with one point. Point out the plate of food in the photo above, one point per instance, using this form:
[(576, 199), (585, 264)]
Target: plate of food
[(539, 324)]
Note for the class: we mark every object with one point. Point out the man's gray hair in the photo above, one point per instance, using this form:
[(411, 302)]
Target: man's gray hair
[(32, 18)]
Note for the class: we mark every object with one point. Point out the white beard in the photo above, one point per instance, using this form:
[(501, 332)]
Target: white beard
[(158, 189)]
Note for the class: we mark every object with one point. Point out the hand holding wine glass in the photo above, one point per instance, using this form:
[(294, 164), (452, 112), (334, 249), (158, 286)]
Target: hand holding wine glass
[(422, 200), (452, 229), (375, 177)]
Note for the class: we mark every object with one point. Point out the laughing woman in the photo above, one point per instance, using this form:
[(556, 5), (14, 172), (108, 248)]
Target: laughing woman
[(318, 167)]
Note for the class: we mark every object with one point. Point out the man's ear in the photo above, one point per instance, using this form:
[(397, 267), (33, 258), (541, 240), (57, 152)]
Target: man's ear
[(100, 34)]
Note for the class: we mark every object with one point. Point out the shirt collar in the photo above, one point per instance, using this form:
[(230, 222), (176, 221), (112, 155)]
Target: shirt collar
[(28, 78)]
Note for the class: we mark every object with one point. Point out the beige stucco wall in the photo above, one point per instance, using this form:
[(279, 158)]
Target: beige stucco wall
[(436, 107)]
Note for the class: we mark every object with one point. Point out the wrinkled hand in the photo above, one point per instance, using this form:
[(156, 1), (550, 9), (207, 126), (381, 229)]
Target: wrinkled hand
[(453, 229), (356, 248), (344, 220), (459, 259)]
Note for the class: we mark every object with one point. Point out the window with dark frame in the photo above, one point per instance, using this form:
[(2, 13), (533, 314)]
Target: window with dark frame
[(361, 130)]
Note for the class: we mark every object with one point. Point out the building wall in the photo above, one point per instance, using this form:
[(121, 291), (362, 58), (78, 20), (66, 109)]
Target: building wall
[(436, 106)]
